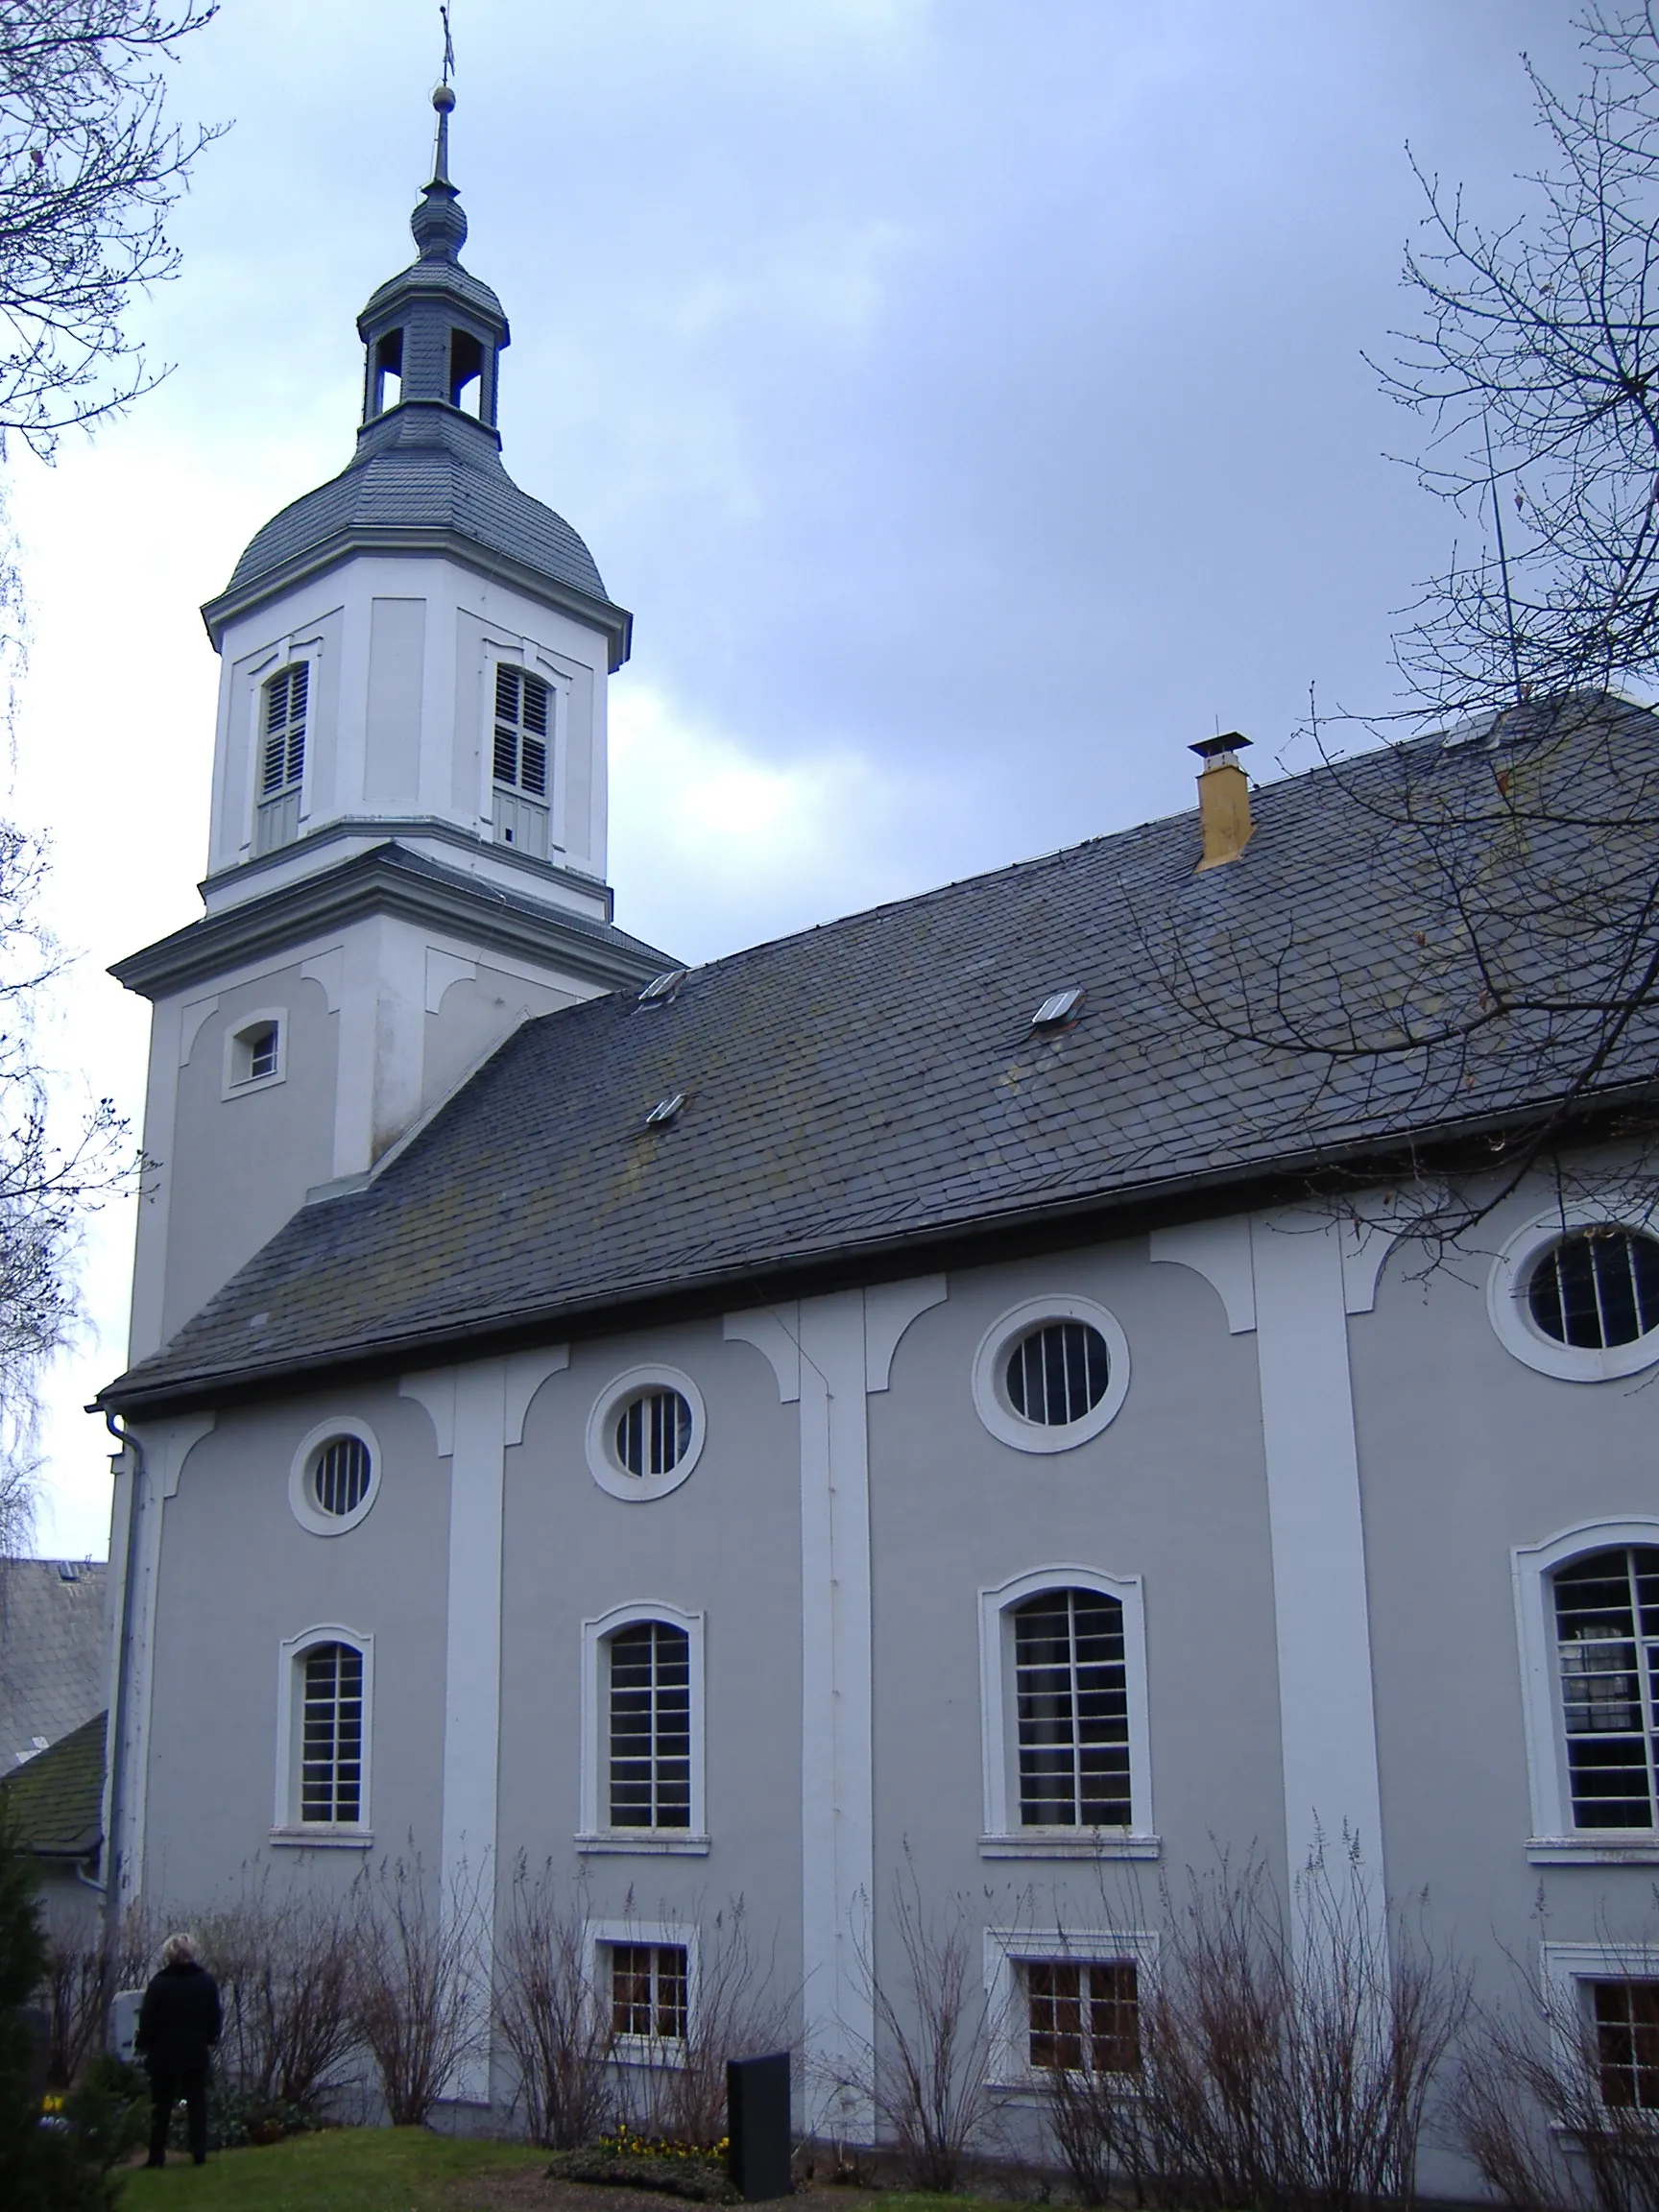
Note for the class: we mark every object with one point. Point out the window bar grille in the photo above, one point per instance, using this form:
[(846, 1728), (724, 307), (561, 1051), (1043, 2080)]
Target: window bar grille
[(332, 1755), (1073, 1711), (1626, 2018), (1608, 1638), (1083, 2017), (650, 1726), (1058, 1373), (648, 1991), (342, 1478)]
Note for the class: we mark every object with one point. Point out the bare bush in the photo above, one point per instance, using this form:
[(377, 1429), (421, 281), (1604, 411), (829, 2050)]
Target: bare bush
[(929, 2074), (419, 2003), (736, 2012), (553, 2018), (284, 1972), (1278, 2065), (81, 1977), (1533, 2112)]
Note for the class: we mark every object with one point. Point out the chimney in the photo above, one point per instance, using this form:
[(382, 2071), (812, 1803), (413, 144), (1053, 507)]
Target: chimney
[(1223, 799)]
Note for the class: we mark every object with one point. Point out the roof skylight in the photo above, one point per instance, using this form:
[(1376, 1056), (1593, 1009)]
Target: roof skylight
[(662, 987), (664, 1110), (1058, 1009)]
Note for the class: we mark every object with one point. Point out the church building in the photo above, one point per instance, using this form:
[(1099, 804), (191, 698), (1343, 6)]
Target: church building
[(936, 1392)]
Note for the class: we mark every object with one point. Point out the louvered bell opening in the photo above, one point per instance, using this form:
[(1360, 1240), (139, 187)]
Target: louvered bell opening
[(532, 768), (506, 693), (506, 755), (536, 705)]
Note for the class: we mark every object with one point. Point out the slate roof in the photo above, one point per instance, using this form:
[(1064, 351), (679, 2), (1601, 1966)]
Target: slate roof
[(423, 469), (874, 1086), (51, 1650), (55, 1804)]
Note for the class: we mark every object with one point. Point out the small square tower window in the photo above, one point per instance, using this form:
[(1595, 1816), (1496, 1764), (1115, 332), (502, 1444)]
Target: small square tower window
[(255, 1053)]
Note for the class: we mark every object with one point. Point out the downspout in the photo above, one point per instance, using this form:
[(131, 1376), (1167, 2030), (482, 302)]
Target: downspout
[(111, 1870)]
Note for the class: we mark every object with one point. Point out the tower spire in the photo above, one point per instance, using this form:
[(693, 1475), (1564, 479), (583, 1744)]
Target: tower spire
[(444, 101)]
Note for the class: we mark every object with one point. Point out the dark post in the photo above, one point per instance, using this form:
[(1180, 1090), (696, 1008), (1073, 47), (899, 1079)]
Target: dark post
[(757, 2122)]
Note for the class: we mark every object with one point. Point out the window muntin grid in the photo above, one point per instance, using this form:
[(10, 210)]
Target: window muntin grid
[(650, 1701), (1595, 1289), (1071, 1707), (262, 1055), (653, 1432), (1083, 2016), (331, 1739), (520, 748), (648, 1991), (1058, 1373), (1626, 2019), (340, 1476), (1607, 1641)]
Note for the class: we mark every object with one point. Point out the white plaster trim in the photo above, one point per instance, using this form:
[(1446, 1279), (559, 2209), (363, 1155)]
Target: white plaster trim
[(435, 1393), (599, 1936), (319, 1839), (1584, 1851), (1008, 1949), (1507, 1296), (300, 1499), (526, 1372), (165, 1445), (643, 1843), (607, 1469), (775, 1333), (442, 970), (889, 1309), (191, 1016), (1003, 1836), (276, 1018), (837, 1765), (990, 1363), (596, 1833), (1321, 1608), (1365, 1247), (1532, 1566), (290, 1651), (327, 969), (1220, 1252)]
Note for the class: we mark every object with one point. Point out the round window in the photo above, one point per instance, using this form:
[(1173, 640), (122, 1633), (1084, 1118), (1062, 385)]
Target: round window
[(1596, 1288), (1058, 1373), (340, 1475), (1051, 1374), (334, 1477), (653, 1432)]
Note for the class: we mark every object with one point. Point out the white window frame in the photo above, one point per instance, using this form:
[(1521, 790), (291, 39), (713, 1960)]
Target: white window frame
[(305, 1510), (287, 1828), (615, 1479), (995, 1347), (236, 1039), (1003, 1837), (287, 652), (598, 1938), (1511, 1317), (1566, 1968), (1008, 1949), (530, 660), (1555, 1841), (595, 1837)]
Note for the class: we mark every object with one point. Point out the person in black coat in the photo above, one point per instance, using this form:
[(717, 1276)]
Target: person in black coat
[(178, 2025)]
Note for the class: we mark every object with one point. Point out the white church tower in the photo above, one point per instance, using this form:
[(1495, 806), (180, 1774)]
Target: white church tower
[(407, 848)]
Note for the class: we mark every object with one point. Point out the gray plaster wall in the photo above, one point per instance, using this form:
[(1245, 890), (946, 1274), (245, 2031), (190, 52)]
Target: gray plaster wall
[(1465, 1453), (725, 1544), (476, 1014), (237, 1167), (238, 1577)]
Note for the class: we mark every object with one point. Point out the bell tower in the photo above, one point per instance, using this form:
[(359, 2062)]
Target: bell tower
[(406, 854)]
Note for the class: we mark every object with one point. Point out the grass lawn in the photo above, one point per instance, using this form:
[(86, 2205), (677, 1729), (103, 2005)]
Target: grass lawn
[(405, 2170), (341, 2170)]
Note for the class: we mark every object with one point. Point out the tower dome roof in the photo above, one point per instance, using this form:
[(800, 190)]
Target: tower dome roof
[(427, 474)]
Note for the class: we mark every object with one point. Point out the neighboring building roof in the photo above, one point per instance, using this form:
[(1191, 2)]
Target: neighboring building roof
[(873, 1088), (54, 1805), (52, 1656)]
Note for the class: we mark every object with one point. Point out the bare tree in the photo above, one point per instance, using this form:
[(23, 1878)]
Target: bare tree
[(553, 2018), (738, 2012), (929, 2074), (284, 1967), (1506, 994), (416, 2003)]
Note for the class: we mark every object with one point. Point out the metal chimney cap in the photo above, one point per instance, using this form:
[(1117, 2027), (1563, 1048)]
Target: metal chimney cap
[(1214, 748)]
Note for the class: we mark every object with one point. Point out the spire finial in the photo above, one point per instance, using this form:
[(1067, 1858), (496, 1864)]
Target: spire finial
[(444, 101)]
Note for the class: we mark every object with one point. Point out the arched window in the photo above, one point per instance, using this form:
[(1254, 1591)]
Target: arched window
[(643, 1731), (323, 1737), (1606, 1609), (285, 704), (1064, 1704)]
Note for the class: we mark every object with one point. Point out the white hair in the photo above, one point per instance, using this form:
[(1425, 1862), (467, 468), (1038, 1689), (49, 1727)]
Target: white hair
[(179, 1950)]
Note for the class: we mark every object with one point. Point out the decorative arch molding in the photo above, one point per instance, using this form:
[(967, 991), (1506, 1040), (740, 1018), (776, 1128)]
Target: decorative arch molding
[(595, 1835)]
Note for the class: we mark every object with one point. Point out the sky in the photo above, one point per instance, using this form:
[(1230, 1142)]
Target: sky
[(968, 396)]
